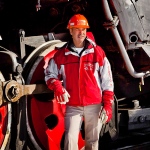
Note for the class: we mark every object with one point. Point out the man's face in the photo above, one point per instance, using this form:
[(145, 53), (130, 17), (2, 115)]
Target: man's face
[(78, 34)]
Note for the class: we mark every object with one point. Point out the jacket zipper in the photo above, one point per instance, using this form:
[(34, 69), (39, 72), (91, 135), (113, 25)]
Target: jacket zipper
[(79, 79)]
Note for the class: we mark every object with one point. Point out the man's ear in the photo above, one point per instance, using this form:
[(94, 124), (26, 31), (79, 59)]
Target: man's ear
[(70, 31)]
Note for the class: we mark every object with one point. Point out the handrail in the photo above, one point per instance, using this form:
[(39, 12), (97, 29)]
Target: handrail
[(121, 47)]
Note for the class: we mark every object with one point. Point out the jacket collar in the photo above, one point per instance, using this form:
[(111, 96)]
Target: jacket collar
[(70, 48), (88, 44)]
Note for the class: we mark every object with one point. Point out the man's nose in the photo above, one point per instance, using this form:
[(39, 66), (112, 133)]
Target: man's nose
[(81, 31)]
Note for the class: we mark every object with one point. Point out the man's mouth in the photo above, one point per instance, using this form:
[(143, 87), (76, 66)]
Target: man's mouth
[(81, 36)]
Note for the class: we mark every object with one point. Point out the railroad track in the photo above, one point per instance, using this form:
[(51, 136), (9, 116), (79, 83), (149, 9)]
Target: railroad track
[(135, 141), (142, 146)]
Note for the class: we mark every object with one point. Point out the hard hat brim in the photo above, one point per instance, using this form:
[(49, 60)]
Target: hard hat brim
[(78, 26)]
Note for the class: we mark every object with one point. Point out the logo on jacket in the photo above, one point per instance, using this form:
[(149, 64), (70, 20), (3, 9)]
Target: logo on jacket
[(88, 66)]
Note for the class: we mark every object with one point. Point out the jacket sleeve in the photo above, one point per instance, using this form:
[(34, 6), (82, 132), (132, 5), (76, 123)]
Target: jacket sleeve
[(51, 72), (107, 86), (106, 76), (53, 82)]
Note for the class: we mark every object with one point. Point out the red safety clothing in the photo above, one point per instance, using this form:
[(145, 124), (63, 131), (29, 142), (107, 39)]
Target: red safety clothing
[(85, 76), (61, 95), (58, 89), (107, 100)]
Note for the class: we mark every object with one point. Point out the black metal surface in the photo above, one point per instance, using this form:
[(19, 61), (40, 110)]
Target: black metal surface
[(132, 141)]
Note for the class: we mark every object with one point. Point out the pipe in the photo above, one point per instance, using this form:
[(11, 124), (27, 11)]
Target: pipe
[(13, 57), (133, 38), (122, 49)]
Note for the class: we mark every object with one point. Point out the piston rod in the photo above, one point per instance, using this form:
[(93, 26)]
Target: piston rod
[(12, 91)]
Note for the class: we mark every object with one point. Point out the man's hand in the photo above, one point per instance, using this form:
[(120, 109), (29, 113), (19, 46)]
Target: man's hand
[(60, 93), (62, 99), (103, 116)]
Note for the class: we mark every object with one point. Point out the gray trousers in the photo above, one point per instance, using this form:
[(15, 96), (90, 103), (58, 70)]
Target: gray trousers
[(73, 121)]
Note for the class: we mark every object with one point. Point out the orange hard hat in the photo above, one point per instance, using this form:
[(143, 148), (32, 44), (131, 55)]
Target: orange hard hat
[(78, 21)]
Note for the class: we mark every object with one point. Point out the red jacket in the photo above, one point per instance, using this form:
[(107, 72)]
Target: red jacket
[(84, 76)]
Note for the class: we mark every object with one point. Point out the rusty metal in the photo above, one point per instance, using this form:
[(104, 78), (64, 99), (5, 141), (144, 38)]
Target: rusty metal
[(13, 90), (111, 24)]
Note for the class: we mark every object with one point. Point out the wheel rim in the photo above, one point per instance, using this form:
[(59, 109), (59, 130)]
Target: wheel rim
[(5, 122), (45, 118)]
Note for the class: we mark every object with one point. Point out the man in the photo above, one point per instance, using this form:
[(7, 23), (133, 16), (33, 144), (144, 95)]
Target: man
[(87, 83)]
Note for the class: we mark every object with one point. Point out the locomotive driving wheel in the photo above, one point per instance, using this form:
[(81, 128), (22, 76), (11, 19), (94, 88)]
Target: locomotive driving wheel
[(5, 121), (45, 117)]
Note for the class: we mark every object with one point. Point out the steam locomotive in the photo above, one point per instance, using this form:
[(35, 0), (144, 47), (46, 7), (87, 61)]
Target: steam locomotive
[(30, 117)]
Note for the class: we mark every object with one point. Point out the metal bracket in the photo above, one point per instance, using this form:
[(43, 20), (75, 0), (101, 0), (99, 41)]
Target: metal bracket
[(13, 91), (22, 46), (33, 41), (111, 24)]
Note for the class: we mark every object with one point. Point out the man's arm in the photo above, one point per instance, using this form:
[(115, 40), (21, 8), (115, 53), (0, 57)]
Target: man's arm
[(52, 80), (107, 89)]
